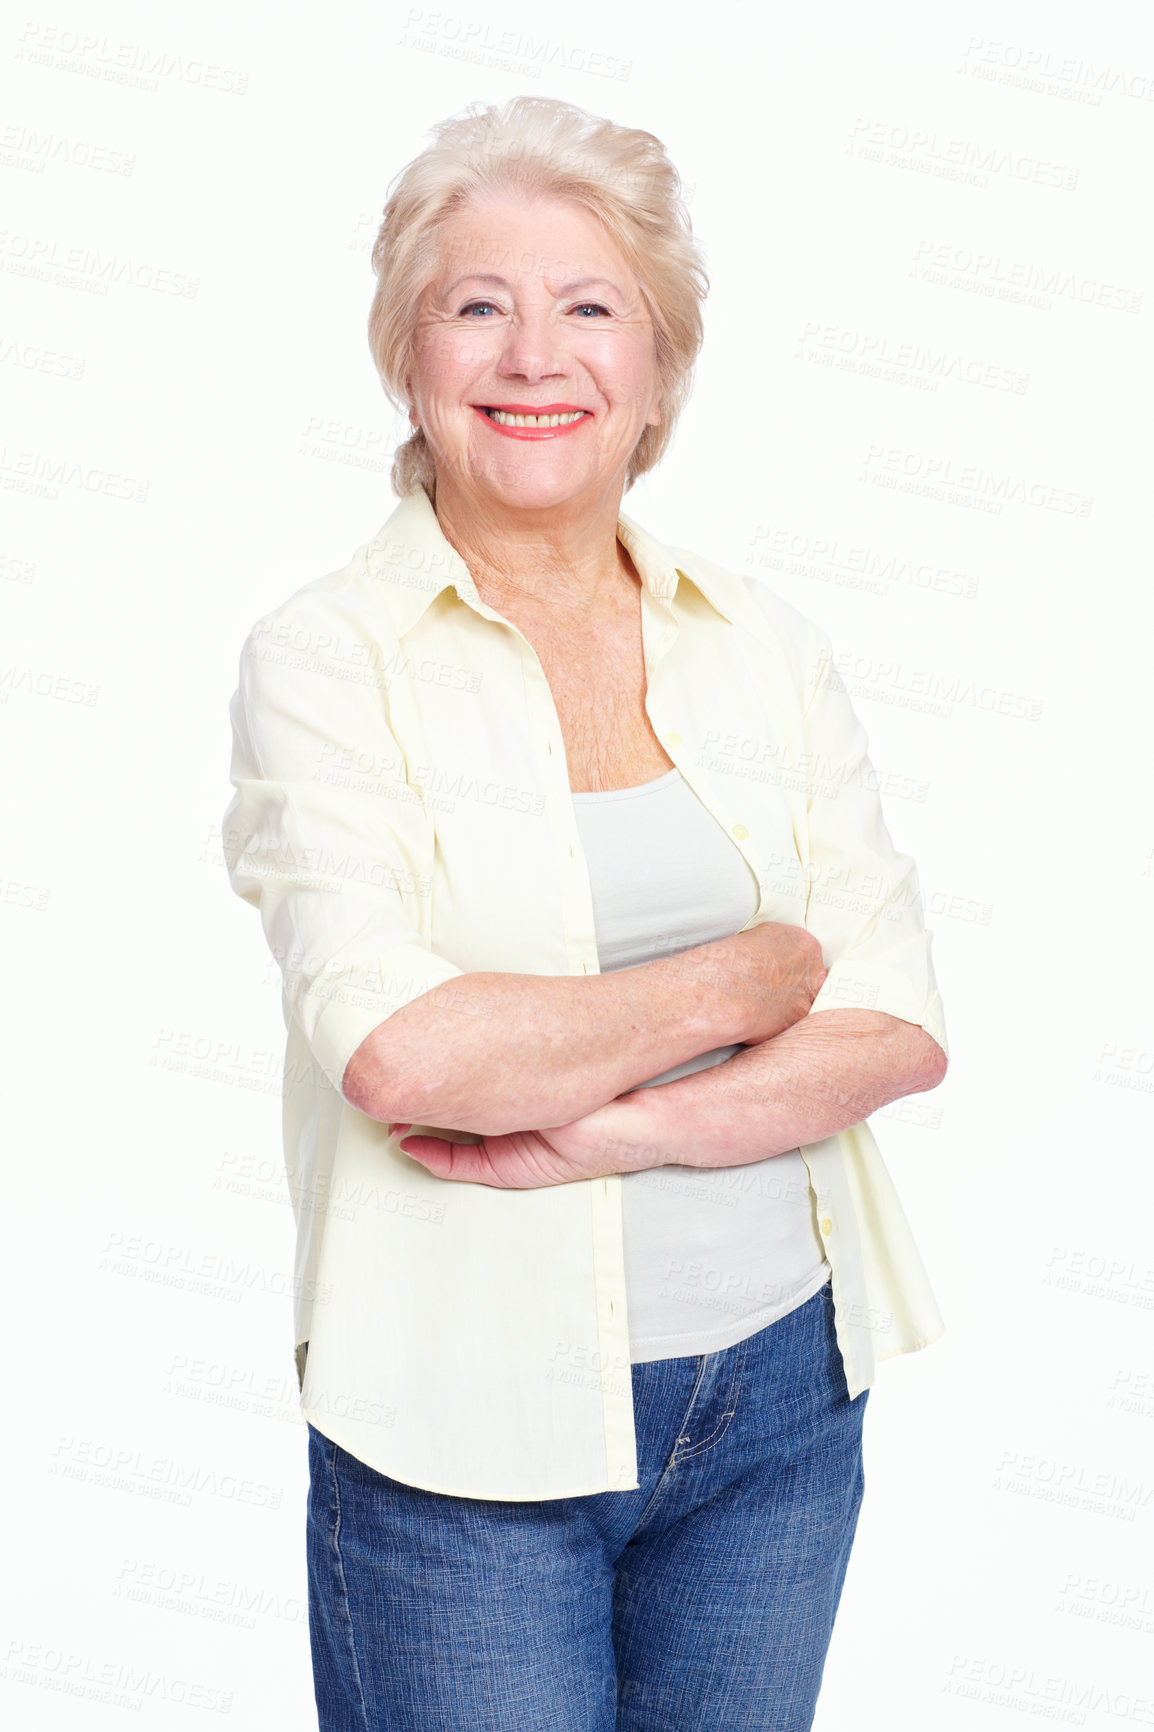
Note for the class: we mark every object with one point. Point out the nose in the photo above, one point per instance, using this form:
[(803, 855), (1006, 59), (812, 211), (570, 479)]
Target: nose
[(534, 349)]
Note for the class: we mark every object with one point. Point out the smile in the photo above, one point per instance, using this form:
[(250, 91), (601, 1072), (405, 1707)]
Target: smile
[(545, 423)]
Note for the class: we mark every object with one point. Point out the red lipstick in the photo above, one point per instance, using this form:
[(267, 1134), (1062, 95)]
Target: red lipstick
[(533, 409)]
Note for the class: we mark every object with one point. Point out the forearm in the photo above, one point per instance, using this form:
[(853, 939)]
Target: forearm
[(494, 1052), (824, 1073)]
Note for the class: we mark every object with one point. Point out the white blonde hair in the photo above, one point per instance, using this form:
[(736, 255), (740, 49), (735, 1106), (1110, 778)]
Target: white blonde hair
[(535, 146)]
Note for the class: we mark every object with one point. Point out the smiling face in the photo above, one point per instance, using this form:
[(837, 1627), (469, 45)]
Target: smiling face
[(535, 369)]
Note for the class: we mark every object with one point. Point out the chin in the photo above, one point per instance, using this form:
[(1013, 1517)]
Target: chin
[(528, 489)]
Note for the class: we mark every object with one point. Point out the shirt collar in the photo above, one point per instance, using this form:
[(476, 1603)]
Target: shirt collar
[(412, 554)]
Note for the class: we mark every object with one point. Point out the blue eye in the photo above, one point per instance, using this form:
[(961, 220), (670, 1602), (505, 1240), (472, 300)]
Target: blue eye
[(590, 306), (472, 305)]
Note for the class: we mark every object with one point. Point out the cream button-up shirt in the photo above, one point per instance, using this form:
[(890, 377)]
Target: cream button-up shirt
[(402, 816)]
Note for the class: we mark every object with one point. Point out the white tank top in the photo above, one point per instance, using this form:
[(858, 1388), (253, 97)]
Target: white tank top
[(712, 1254)]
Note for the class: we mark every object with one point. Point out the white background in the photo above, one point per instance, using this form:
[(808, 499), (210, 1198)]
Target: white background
[(922, 415)]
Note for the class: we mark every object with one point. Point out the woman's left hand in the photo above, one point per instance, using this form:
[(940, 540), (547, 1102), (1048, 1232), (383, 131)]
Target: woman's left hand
[(588, 1148)]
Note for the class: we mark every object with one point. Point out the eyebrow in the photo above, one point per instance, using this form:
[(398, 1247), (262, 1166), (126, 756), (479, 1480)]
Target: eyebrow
[(565, 289)]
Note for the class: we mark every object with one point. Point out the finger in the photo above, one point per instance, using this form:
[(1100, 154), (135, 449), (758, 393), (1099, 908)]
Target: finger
[(432, 1152), (446, 1160)]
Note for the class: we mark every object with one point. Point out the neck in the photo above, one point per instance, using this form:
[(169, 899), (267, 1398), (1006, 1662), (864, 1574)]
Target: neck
[(547, 557)]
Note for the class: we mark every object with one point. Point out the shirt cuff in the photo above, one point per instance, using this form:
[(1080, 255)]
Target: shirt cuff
[(338, 1014), (873, 986)]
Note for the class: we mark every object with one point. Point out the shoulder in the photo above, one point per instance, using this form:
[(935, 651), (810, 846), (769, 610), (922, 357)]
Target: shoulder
[(757, 608), (383, 589), (343, 606), (323, 657)]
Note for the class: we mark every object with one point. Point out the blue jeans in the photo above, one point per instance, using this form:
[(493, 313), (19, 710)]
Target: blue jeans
[(704, 1601)]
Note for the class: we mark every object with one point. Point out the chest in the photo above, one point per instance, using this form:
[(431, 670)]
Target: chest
[(597, 680), (497, 727)]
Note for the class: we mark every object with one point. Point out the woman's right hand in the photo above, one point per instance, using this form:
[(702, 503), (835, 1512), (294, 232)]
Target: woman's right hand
[(777, 972)]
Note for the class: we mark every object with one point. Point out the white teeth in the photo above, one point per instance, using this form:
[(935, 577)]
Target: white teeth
[(504, 419)]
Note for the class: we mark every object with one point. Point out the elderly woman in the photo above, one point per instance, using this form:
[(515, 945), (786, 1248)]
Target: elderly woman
[(597, 955)]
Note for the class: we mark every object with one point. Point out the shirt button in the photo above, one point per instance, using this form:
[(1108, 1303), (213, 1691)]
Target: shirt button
[(740, 831), (827, 1226), (671, 740)]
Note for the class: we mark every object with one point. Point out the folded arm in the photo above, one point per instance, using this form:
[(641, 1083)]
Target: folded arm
[(874, 1032), (829, 1071), (826, 1072), (339, 866)]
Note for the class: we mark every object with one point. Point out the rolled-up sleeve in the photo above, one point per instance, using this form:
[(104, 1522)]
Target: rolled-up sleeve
[(325, 834), (864, 900)]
